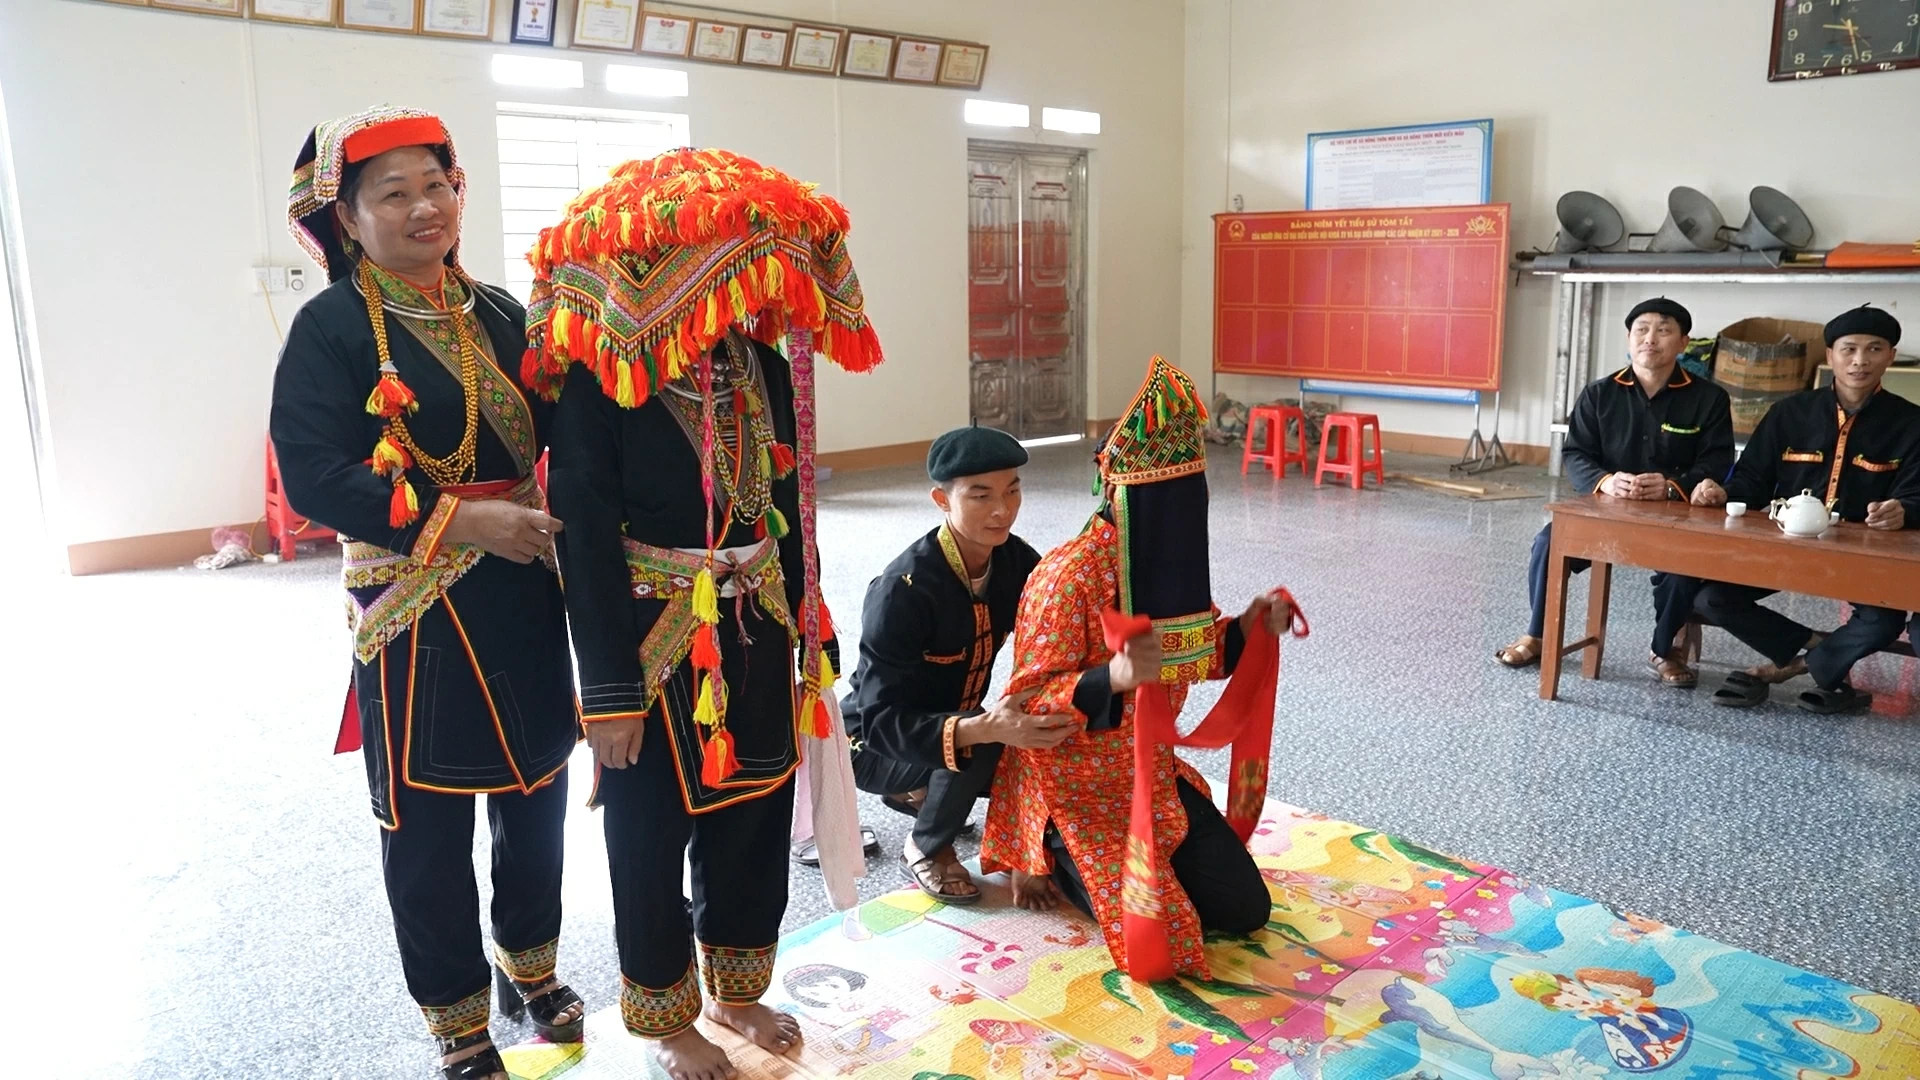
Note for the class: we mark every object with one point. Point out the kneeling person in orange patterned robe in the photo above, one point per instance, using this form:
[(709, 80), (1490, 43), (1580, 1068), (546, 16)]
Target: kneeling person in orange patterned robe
[(1064, 820)]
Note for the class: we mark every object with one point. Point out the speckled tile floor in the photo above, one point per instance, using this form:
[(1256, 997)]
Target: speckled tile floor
[(203, 878)]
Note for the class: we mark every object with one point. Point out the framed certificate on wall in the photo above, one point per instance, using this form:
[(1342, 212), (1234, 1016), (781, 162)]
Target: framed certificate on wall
[(532, 22), (717, 42), (816, 49), (963, 65), (869, 55), (663, 36), (916, 61), (457, 18), (390, 16), (210, 7), (310, 12), (765, 46), (606, 24)]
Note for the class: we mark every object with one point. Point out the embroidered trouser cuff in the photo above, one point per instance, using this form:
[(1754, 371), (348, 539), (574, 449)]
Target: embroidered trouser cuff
[(736, 976), (462, 1018), (529, 966), (660, 1014)]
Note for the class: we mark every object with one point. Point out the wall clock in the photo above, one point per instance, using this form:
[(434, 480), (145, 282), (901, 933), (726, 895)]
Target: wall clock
[(1816, 38)]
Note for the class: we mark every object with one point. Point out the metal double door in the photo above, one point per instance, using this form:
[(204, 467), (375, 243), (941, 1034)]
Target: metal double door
[(1026, 217)]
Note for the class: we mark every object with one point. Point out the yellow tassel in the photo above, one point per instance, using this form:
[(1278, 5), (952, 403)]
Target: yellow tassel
[(706, 601), (738, 296), (561, 320), (626, 228), (676, 358), (712, 327), (827, 677), (772, 273), (704, 712), (623, 384), (388, 457)]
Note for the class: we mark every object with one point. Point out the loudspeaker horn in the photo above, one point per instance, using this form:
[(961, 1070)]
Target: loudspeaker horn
[(1774, 223), (1693, 224), (1587, 223)]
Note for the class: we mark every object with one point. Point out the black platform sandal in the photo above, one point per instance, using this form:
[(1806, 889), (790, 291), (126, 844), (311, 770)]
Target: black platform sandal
[(476, 1058), (544, 1002)]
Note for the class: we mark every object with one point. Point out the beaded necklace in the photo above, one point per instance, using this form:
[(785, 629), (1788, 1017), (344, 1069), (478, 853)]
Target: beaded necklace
[(397, 451)]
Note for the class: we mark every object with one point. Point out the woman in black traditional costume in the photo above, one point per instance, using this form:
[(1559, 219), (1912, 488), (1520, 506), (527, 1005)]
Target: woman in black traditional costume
[(395, 424), (681, 305)]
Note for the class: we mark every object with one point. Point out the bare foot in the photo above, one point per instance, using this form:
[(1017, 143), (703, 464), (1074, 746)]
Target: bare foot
[(689, 1056), (1036, 893), (769, 1029), (1768, 673)]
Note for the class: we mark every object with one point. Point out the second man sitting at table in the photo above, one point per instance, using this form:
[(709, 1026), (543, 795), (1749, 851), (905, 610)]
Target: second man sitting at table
[(1856, 446), (1649, 431)]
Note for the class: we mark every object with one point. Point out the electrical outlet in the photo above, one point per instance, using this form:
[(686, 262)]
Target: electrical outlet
[(275, 280)]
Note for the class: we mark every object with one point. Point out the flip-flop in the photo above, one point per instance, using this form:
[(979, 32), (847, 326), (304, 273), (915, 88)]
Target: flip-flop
[(1741, 691), (806, 853), (1840, 699), (933, 889)]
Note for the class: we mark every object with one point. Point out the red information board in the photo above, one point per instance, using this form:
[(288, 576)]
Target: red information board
[(1409, 295)]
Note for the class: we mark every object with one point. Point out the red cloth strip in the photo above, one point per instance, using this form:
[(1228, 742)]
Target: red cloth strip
[(1243, 717), (373, 141)]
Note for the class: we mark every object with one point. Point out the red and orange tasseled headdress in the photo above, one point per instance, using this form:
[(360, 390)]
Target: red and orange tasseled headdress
[(648, 271)]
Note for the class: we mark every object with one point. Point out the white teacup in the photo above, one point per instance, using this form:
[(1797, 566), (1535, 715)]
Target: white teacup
[(1735, 509)]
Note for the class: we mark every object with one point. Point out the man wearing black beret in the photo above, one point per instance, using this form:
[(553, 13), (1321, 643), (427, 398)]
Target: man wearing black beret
[(1648, 431), (932, 624), (1856, 446)]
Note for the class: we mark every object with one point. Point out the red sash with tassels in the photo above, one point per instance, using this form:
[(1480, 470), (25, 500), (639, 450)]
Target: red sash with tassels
[(1244, 717)]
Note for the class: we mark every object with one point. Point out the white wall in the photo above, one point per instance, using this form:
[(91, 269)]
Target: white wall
[(1627, 99), (154, 149)]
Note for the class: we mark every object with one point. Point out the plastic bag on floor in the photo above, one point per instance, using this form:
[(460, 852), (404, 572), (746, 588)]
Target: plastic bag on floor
[(231, 547)]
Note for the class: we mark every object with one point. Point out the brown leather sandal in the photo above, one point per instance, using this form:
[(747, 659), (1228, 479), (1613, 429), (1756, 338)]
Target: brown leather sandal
[(1523, 653), (934, 875), (1672, 669)]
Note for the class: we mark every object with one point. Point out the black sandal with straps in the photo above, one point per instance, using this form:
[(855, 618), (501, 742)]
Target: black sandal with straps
[(482, 1060), (544, 1002)]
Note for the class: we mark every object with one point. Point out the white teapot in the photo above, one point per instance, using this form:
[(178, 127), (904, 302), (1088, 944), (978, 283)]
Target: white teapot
[(1802, 515)]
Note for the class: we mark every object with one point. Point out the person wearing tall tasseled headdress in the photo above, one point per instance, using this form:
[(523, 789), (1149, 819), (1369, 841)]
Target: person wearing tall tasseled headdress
[(397, 421), (677, 314), (1114, 626)]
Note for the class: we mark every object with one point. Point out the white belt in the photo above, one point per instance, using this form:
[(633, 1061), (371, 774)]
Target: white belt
[(724, 560)]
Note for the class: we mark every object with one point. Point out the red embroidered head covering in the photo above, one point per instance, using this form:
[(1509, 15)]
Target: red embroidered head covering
[(322, 165), (1154, 464)]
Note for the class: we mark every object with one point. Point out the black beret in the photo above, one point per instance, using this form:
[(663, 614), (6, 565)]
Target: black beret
[(1660, 305), (1864, 319), (970, 451)]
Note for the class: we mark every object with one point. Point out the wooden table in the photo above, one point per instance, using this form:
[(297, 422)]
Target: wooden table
[(1848, 562)]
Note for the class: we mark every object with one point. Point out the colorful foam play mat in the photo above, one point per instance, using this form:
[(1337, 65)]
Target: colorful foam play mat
[(1383, 961)]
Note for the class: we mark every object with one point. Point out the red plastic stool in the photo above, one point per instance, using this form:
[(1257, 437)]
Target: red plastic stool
[(1279, 451), (1346, 456), (281, 527)]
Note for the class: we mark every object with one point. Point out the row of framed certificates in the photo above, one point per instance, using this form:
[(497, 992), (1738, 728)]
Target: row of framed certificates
[(627, 26)]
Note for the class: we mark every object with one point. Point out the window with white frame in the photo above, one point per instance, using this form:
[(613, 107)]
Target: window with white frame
[(550, 153)]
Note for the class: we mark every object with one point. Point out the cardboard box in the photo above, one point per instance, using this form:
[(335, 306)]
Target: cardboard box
[(1761, 360)]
